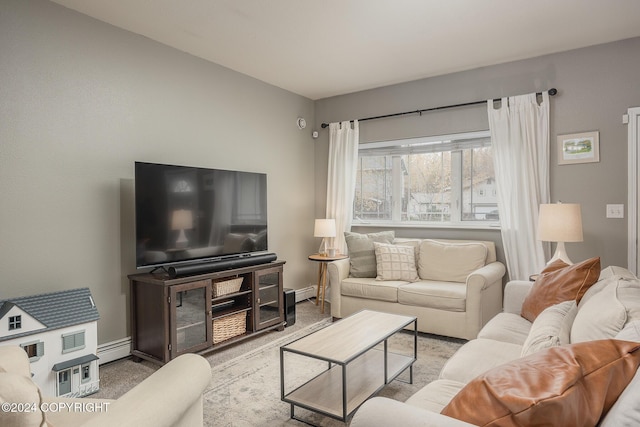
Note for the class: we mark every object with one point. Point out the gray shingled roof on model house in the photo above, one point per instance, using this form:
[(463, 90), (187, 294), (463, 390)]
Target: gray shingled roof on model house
[(54, 310)]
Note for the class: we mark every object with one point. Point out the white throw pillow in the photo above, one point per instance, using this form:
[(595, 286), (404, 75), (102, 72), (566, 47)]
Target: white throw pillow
[(450, 262), (551, 328), (395, 262), (615, 271), (606, 311)]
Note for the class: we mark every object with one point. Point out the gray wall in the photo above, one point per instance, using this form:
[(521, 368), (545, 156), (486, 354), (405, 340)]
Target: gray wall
[(80, 101), (595, 86)]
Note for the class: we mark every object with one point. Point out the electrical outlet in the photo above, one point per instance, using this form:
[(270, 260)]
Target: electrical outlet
[(615, 211)]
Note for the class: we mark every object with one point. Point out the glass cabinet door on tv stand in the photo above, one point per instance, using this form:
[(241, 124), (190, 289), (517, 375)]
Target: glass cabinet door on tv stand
[(191, 320), (268, 297)]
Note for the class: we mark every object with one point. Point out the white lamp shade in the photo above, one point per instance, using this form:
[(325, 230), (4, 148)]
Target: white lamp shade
[(560, 222), (182, 219), (325, 228)]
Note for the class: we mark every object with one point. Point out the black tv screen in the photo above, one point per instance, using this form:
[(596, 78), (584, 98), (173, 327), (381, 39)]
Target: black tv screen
[(190, 214)]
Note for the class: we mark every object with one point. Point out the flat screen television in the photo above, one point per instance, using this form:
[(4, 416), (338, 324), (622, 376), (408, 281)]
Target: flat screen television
[(192, 215)]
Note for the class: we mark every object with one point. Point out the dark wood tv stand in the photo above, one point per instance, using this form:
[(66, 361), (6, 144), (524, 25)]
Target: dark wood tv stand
[(172, 316)]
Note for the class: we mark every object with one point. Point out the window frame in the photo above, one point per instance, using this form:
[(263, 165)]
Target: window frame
[(76, 346), (396, 148), (15, 322), (39, 349), (85, 372)]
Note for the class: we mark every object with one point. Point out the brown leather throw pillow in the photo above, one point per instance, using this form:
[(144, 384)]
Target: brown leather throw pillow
[(560, 282), (572, 385)]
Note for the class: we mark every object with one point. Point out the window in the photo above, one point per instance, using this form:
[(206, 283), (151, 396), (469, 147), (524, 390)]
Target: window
[(73, 341), (86, 372), (433, 180), (34, 349), (15, 322)]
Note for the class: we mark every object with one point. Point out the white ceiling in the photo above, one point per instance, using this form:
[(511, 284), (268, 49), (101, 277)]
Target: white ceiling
[(324, 48)]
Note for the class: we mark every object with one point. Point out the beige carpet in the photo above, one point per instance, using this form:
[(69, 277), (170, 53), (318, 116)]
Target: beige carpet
[(245, 386)]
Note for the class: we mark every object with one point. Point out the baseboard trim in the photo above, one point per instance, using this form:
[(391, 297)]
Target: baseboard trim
[(305, 293), (114, 350)]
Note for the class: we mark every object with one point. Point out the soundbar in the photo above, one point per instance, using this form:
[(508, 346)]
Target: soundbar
[(223, 264)]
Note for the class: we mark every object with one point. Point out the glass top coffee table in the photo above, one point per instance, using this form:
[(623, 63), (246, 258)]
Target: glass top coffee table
[(359, 363)]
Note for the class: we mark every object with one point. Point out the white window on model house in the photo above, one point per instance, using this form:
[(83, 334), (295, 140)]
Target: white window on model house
[(86, 372), (15, 322), (34, 349), (72, 341)]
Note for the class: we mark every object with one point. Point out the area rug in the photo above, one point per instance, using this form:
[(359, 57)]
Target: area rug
[(245, 391)]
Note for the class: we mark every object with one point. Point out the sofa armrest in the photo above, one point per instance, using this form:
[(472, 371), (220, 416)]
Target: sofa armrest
[(514, 294), (383, 412), (484, 296), (171, 396), (487, 276), (14, 359), (338, 271)]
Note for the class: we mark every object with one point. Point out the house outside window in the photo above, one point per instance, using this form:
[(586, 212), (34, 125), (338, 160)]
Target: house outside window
[(445, 180), (15, 322), (34, 349), (73, 341)]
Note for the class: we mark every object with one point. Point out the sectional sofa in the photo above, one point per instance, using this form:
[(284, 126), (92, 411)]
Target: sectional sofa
[(575, 364), (453, 287)]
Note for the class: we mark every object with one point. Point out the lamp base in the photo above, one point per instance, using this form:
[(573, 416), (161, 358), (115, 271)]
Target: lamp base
[(560, 254)]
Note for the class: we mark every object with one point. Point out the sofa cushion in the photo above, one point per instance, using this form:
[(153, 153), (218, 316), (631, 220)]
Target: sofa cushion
[(435, 395), (606, 276), (439, 295), (626, 410), (450, 262), (366, 287), (506, 327), (606, 312), (395, 262), (362, 257), (476, 357), (551, 328), (20, 390), (568, 385), (562, 284), (614, 270)]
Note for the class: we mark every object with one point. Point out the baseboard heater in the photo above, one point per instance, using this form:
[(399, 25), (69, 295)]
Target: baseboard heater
[(219, 265)]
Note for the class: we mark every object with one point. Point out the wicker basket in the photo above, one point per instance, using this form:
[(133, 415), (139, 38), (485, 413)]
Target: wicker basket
[(227, 286), (229, 327)]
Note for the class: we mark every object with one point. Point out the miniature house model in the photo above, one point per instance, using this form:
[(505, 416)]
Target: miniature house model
[(59, 333)]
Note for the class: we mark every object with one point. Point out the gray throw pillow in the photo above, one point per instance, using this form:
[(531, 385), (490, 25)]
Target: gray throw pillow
[(362, 256)]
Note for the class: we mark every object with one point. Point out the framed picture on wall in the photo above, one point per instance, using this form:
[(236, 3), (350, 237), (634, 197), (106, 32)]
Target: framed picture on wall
[(579, 148)]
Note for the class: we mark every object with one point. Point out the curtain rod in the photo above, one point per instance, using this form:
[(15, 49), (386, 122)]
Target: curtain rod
[(552, 92)]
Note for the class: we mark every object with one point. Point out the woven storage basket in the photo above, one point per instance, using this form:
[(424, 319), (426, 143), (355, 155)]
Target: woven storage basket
[(229, 327), (228, 286)]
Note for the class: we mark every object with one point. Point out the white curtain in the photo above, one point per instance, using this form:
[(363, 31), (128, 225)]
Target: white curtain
[(520, 145), (341, 177)]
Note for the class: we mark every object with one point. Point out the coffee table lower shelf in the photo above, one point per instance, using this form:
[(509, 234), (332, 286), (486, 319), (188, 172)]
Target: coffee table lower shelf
[(360, 379)]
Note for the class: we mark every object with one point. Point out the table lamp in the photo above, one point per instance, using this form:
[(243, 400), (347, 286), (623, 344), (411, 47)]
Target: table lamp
[(560, 222), (182, 219), (325, 228)]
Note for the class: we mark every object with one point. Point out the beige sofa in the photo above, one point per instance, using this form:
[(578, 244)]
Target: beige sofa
[(445, 301), (171, 396), (609, 309)]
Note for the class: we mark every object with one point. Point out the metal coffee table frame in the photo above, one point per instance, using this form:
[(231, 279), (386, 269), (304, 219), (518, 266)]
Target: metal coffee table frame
[(358, 365)]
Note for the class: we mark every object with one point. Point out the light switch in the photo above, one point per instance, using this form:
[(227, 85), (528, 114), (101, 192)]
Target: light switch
[(615, 211)]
